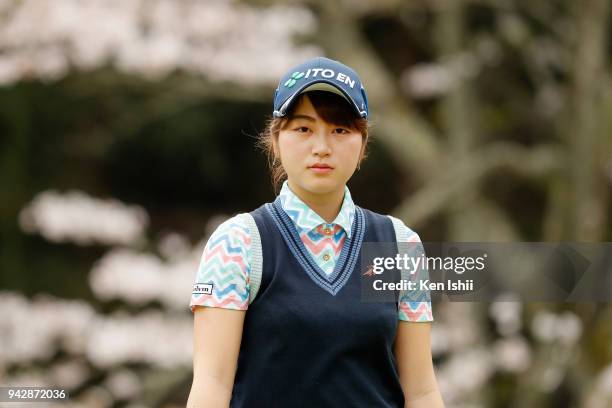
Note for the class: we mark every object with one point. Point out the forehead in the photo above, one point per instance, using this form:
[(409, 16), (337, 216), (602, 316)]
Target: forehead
[(328, 111), (304, 106), (304, 110)]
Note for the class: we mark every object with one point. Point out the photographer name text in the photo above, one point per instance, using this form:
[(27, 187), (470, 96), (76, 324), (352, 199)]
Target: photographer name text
[(404, 284)]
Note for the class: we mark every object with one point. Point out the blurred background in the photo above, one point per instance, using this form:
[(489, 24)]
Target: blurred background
[(127, 134)]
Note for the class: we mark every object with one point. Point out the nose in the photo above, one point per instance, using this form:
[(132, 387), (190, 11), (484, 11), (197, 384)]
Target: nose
[(321, 146)]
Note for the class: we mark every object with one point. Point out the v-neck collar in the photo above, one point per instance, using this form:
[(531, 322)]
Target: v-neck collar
[(306, 219), (346, 261)]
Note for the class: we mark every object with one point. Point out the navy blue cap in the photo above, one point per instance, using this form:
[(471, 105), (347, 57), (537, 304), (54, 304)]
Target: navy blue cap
[(322, 74)]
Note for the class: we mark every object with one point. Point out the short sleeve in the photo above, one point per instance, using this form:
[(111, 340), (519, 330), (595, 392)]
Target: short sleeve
[(413, 305), (222, 278)]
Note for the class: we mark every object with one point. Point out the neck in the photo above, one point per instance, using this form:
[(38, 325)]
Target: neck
[(327, 205)]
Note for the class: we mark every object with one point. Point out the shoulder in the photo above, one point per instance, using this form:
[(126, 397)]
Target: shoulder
[(229, 244), (403, 233), (237, 242), (224, 274), (373, 215), (235, 230)]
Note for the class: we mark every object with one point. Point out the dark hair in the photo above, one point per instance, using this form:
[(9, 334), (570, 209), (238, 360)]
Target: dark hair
[(331, 107)]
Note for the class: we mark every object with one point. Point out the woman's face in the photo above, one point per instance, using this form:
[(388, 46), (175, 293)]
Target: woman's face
[(318, 157)]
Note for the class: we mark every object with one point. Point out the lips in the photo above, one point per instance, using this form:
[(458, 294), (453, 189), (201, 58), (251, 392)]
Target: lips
[(321, 168)]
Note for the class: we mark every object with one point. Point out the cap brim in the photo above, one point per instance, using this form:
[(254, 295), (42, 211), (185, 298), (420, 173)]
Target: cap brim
[(323, 86), (317, 86)]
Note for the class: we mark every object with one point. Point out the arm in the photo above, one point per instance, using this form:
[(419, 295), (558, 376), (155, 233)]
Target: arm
[(225, 267), (215, 357), (412, 349)]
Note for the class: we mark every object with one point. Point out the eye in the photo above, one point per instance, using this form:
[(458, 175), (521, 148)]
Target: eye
[(302, 129), (341, 130)]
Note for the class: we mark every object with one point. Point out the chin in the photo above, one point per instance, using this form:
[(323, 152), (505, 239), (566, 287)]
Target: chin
[(321, 185)]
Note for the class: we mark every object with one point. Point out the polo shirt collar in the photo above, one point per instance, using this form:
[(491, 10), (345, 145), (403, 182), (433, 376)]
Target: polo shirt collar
[(307, 219)]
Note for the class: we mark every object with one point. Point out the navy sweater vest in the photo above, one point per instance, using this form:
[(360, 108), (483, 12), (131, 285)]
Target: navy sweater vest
[(308, 340)]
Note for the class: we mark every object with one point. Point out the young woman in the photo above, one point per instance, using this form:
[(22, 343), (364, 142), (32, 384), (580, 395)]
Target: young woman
[(279, 320)]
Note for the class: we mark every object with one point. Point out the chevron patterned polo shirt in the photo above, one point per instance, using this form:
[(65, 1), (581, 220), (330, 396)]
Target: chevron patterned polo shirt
[(227, 257)]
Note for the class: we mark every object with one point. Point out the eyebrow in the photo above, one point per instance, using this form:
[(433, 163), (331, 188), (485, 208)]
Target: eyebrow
[(306, 117)]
